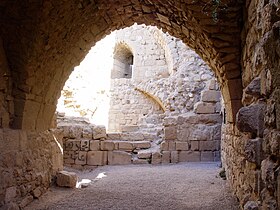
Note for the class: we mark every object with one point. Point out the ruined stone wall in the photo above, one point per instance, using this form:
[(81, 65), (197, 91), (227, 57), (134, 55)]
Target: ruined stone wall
[(29, 160), (175, 93), (128, 106), (149, 56), (251, 150)]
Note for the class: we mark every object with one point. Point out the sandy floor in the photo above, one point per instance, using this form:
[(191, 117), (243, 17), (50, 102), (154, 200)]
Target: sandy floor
[(181, 186)]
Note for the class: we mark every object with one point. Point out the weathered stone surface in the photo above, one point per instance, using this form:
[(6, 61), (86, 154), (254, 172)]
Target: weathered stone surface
[(107, 145), (254, 88), (99, 132), (189, 156), (182, 145), (144, 154), (207, 156), (81, 158), (94, 145), (97, 158), (253, 150), (174, 157), (28, 199), (165, 158), (156, 158), (204, 108), (164, 146), (208, 146), (119, 158), (127, 146), (251, 205), (11, 206), (142, 145), (170, 133), (251, 119), (66, 179), (210, 96), (11, 194)]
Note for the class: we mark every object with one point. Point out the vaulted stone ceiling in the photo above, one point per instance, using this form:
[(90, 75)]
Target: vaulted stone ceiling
[(44, 40)]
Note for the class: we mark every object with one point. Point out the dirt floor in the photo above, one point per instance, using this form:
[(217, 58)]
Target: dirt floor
[(181, 186)]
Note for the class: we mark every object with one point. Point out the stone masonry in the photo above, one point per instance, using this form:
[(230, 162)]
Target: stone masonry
[(42, 41)]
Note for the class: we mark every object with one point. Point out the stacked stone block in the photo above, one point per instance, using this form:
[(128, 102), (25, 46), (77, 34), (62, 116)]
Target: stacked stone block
[(192, 138)]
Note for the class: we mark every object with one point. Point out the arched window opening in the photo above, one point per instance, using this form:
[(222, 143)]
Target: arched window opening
[(123, 62)]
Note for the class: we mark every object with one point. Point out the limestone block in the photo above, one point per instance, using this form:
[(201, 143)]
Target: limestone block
[(107, 145), (72, 145), (75, 132), (97, 158), (164, 146), (82, 158), (184, 132), (251, 119), (166, 156), (127, 146), (119, 158), (84, 145), (94, 145), (87, 133), (201, 133), (213, 85), (189, 156), (194, 145), (113, 136), (170, 133), (207, 146), (68, 157), (171, 145), (210, 96), (207, 156), (142, 145), (182, 145), (217, 132), (66, 179), (144, 154), (99, 132), (204, 108), (200, 119), (174, 157), (156, 158)]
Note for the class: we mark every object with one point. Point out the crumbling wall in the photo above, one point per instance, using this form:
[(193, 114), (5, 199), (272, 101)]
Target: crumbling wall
[(251, 149), (29, 161)]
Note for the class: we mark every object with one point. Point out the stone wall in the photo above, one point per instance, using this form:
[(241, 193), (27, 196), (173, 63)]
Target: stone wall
[(7, 105), (195, 135), (28, 162), (128, 107), (149, 56), (251, 149)]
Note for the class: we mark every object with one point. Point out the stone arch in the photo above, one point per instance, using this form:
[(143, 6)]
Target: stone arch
[(123, 61), (64, 33)]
